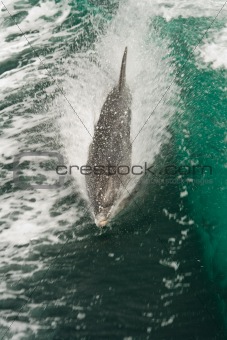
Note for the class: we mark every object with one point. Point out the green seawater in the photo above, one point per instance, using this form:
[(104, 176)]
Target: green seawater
[(202, 113), (159, 271)]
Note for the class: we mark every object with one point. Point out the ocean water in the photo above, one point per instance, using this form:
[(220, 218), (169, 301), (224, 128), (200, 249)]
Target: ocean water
[(159, 271)]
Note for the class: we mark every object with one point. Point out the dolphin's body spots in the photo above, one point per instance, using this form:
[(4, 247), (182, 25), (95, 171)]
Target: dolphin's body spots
[(110, 147)]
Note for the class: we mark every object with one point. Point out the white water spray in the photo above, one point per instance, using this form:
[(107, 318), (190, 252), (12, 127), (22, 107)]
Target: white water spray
[(97, 71)]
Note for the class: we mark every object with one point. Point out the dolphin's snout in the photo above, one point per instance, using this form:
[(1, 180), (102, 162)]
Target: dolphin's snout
[(101, 221)]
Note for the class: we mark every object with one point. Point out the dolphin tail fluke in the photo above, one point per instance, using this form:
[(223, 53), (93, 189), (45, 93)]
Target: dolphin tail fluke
[(122, 79)]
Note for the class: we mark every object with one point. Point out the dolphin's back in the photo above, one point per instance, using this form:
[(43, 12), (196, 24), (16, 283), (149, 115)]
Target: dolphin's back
[(111, 144), (122, 79)]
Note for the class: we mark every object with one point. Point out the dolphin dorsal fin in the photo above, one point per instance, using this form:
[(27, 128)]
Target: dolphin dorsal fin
[(122, 79)]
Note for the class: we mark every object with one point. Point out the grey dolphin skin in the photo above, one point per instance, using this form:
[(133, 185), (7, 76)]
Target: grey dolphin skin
[(110, 146)]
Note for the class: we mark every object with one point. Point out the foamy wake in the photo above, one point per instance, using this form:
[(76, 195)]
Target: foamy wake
[(214, 50), (94, 73), (37, 30)]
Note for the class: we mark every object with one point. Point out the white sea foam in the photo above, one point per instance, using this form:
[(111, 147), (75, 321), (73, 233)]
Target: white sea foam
[(37, 30), (170, 9), (35, 20), (214, 50)]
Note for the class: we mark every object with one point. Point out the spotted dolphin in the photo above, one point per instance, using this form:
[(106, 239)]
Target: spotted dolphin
[(110, 147)]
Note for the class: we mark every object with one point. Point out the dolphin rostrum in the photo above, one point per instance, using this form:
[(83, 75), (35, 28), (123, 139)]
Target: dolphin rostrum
[(110, 146)]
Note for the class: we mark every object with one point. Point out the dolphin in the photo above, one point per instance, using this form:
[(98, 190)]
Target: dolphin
[(110, 147)]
